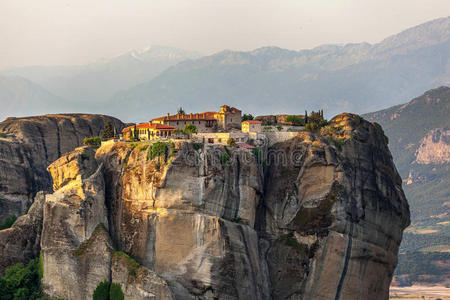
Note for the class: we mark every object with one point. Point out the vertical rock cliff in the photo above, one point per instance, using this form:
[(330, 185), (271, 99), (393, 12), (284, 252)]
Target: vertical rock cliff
[(30, 145), (320, 216)]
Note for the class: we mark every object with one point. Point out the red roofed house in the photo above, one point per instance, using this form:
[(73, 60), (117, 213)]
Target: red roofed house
[(251, 126), (208, 121)]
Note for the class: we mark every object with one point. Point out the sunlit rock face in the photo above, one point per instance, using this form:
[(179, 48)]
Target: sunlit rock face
[(434, 148), (30, 145), (320, 216)]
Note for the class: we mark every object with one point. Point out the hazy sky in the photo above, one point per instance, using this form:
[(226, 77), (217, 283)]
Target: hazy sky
[(60, 32)]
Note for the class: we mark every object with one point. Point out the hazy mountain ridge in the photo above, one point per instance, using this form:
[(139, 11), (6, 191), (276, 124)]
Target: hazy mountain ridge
[(418, 139), (99, 80), (18, 94), (353, 77)]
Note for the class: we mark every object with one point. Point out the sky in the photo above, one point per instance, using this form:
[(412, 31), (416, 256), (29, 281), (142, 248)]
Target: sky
[(61, 32)]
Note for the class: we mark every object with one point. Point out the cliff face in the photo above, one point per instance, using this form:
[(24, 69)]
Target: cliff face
[(31, 144), (318, 217), (434, 147)]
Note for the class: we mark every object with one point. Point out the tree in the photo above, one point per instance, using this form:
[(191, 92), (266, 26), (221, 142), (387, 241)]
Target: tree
[(115, 292), (295, 120), (8, 222), (21, 282), (247, 117), (107, 131), (189, 129), (181, 111), (93, 141), (101, 292)]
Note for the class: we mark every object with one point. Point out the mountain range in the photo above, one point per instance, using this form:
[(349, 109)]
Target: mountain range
[(419, 139), (357, 78), (96, 82)]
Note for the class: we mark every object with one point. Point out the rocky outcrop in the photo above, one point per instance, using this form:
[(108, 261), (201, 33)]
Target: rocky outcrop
[(20, 243), (20, 178), (30, 145), (320, 216), (434, 148), (76, 248), (340, 201)]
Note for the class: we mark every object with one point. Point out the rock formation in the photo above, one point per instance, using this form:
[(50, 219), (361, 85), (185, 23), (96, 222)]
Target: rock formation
[(320, 216), (21, 242), (434, 147), (30, 145)]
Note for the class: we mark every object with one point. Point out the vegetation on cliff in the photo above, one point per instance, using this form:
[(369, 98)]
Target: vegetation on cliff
[(8, 222), (21, 282)]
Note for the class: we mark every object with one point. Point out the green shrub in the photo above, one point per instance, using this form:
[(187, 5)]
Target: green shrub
[(279, 127), (21, 282), (101, 292), (295, 120), (8, 222), (107, 131), (93, 141), (224, 157), (133, 145), (246, 117), (258, 154), (41, 267), (196, 146), (115, 292), (143, 148), (157, 149), (189, 129), (3, 135), (132, 265)]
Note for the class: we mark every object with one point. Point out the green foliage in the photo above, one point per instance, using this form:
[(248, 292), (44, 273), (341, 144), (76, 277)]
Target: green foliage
[(157, 149), (93, 141), (108, 291), (143, 148), (3, 135), (225, 157), (190, 129), (21, 282), (101, 292), (8, 222), (337, 142), (290, 240), (267, 129), (258, 154), (107, 131), (196, 146), (133, 145), (115, 292), (418, 263), (132, 265), (231, 142), (279, 127), (315, 122), (247, 117), (295, 120)]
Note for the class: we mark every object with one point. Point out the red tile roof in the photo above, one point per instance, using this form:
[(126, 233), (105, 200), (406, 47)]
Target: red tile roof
[(245, 145), (252, 122), (207, 116)]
